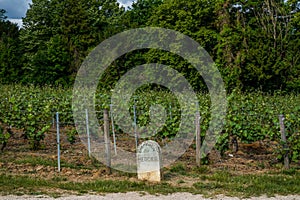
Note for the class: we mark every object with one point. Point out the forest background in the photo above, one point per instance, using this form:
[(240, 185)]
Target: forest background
[(255, 44)]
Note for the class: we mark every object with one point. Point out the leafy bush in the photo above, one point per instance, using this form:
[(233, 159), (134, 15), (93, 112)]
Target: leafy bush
[(4, 136)]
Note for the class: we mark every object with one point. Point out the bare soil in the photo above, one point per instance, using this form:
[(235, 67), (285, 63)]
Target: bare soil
[(18, 159), (253, 158), (138, 196)]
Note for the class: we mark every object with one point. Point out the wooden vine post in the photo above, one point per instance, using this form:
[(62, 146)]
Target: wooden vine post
[(283, 139), (198, 139), (107, 140)]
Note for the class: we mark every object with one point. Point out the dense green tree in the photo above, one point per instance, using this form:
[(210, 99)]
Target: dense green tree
[(268, 51), (58, 35), (38, 27), (2, 14), (10, 53), (141, 11), (255, 44), (192, 18), (293, 50)]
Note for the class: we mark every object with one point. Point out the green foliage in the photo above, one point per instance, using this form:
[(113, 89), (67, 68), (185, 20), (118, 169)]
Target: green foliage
[(258, 45), (58, 35), (292, 127), (34, 129), (71, 135), (254, 44), (179, 169), (140, 12), (31, 109), (250, 116), (10, 50), (4, 137), (147, 99)]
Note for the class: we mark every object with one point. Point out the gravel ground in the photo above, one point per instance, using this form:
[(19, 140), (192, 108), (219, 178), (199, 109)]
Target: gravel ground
[(137, 196)]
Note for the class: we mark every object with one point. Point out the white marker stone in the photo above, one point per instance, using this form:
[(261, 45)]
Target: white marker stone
[(149, 163)]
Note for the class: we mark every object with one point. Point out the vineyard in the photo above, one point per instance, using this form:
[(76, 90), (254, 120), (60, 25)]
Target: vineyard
[(251, 117)]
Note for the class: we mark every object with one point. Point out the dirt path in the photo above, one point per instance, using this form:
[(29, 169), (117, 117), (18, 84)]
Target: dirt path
[(138, 196)]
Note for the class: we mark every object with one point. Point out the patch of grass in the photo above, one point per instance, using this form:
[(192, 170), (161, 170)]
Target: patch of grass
[(221, 176), (27, 185), (35, 160), (291, 171), (6, 157), (127, 174), (221, 182), (261, 165), (179, 169), (251, 185), (207, 186), (200, 170), (21, 184), (110, 186), (59, 178)]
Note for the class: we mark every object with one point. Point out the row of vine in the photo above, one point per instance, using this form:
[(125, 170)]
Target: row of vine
[(250, 117)]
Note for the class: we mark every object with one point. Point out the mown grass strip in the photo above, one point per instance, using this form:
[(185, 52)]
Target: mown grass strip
[(27, 185), (19, 185), (110, 186), (250, 185), (217, 183)]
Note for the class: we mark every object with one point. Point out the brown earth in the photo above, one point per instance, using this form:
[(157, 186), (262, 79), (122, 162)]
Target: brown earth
[(17, 158)]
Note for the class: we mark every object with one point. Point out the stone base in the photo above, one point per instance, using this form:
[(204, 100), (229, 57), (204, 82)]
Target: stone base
[(154, 176)]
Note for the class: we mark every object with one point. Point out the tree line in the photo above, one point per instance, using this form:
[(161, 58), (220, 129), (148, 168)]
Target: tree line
[(255, 44)]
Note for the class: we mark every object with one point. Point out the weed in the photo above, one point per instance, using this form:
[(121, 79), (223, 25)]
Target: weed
[(179, 168)]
